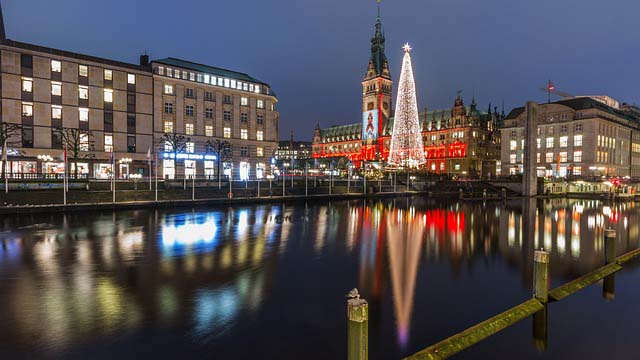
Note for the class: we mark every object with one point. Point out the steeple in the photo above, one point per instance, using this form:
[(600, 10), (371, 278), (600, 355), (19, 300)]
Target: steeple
[(378, 65)]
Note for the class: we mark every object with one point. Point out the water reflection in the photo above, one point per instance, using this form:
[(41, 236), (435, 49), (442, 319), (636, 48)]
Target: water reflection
[(71, 280)]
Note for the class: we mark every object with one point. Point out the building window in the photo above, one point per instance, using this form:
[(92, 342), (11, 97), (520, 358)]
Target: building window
[(83, 92), (108, 74), (259, 135), (563, 128), (226, 115), (564, 141), (563, 156), (188, 93), (191, 147), (56, 66), (227, 99), (131, 143), (512, 159), (244, 101), (161, 70), (27, 109), (259, 151), (227, 132), (549, 143), (168, 127), (578, 127), (83, 70), (108, 143), (244, 151), (208, 96), (168, 108), (260, 119), (244, 117), (56, 112), (538, 143), (549, 157), (83, 114), (56, 88), (188, 110), (244, 134), (577, 170), (168, 89), (260, 104), (27, 136), (199, 78), (188, 129), (84, 142), (27, 85), (577, 140), (131, 79), (577, 156), (208, 113), (108, 95), (513, 145), (537, 158), (208, 130)]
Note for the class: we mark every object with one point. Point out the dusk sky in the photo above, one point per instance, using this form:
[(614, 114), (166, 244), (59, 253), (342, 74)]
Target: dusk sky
[(314, 53)]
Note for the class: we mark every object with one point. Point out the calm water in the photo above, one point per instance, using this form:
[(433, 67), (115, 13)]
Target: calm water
[(270, 281)]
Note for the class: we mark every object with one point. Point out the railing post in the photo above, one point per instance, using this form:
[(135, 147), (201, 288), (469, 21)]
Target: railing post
[(484, 194), (461, 193), (609, 282), (541, 276), (358, 332)]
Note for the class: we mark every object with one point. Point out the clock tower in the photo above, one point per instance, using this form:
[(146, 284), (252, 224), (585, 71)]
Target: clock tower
[(377, 89)]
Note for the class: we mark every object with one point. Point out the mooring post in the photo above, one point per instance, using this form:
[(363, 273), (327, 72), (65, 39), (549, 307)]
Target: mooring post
[(540, 329), (541, 276), (358, 332), (609, 282)]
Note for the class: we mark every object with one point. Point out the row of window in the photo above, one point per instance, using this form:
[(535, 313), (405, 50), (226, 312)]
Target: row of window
[(83, 71), (208, 130), (549, 142), (211, 80), (549, 157), (210, 96), (606, 142), (190, 148), (56, 113), (56, 90), (549, 130), (189, 111)]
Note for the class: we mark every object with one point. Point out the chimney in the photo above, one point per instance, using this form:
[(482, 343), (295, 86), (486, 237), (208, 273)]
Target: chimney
[(144, 60)]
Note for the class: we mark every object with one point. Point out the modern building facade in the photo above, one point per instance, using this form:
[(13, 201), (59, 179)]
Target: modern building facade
[(297, 151), (579, 136), (206, 104), (458, 141)]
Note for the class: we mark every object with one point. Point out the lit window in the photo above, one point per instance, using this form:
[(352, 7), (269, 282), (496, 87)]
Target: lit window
[(161, 70), (251, 87), (176, 73), (56, 88), (245, 87), (192, 77), (538, 143), (577, 170), (27, 109), (577, 140), (207, 78), (226, 82), (260, 151), (259, 135), (513, 145), (108, 143), (188, 129), (108, 74), (184, 75), (168, 127), (27, 84), (56, 112), (564, 140), (199, 78), (257, 89), (260, 104), (549, 157), (227, 132), (244, 134), (512, 159), (167, 146), (244, 101), (83, 92), (131, 79), (168, 89), (233, 84), (83, 70), (84, 142), (56, 66), (190, 148), (108, 95), (169, 72), (208, 130), (538, 158), (549, 143), (577, 156), (83, 114), (563, 156)]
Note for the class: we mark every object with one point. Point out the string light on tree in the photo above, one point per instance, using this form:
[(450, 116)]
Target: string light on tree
[(406, 140)]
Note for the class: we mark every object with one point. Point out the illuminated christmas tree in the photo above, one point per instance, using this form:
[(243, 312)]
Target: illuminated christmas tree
[(406, 141)]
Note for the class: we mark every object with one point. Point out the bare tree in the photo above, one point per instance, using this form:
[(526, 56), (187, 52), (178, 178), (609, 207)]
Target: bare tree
[(223, 151), (9, 136), (174, 143), (78, 143)]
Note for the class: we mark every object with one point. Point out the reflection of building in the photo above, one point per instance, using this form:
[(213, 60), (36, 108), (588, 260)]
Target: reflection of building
[(461, 140), (205, 103), (577, 136)]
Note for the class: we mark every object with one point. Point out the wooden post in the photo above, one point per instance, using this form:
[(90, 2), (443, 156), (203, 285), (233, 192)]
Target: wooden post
[(540, 329), (541, 276), (609, 282), (358, 332)]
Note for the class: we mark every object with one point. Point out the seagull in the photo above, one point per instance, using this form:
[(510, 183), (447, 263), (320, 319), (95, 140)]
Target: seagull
[(353, 294)]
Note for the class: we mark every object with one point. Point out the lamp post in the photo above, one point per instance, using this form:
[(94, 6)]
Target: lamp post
[(364, 181), (284, 177), (231, 180), (306, 179), (349, 177)]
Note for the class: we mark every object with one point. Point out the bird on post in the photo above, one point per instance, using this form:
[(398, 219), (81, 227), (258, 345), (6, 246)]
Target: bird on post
[(353, 294)]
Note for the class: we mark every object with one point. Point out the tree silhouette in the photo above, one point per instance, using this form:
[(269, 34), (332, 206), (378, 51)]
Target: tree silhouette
[(9, 136), (223, 151), (174, 143), (78, 143)]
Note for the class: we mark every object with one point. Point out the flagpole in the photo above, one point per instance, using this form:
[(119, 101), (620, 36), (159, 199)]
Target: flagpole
[(113, 178), (156, 177), (149, 164), (64, 177), (5, 163)]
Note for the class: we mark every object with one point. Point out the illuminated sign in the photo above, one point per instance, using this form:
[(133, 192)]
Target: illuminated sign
[(167, 155), (370, 125)]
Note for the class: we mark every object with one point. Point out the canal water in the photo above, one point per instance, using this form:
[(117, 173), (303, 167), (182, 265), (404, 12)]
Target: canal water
[(269, 281)]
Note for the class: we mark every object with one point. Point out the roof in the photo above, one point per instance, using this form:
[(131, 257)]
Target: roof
[(73, 55), (209, 69), (582, 103)]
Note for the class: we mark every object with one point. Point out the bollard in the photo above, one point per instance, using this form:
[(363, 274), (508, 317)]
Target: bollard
[(484, 194), (609, 282), (541, 276), (358, 332)]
